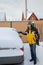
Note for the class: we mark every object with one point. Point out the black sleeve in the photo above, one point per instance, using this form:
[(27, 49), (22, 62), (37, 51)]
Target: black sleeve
[(37, 33), (24, 33)]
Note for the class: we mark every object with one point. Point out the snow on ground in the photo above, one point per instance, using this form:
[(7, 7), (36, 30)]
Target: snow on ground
[(27, 56)]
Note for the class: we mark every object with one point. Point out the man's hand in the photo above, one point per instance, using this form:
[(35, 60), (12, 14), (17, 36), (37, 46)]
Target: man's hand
[(20, 36), (38, 44)]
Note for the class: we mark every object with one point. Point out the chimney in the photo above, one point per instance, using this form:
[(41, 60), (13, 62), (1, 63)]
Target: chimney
[(22, 16)]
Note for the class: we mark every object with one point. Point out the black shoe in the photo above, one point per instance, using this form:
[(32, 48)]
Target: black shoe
[(35, 62), (31, 60)]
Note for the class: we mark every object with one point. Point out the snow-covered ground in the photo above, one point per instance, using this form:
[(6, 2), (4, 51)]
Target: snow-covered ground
[(27, 56)]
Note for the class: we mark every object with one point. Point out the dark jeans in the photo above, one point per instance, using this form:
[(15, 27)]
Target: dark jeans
[(33, 51)]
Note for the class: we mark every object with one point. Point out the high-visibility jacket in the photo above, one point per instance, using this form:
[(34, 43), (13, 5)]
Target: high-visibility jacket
[(31, 37)]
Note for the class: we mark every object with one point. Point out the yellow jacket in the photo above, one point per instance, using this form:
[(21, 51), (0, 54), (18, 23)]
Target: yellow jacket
[(31, 38)]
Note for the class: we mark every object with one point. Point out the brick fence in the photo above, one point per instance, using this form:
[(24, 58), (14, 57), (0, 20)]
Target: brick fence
[(21, 26)]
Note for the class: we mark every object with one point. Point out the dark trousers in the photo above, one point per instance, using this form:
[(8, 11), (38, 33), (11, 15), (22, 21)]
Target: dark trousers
[(33, 51)]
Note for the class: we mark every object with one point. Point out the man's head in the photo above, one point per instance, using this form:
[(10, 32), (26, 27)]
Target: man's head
[(32, 24)]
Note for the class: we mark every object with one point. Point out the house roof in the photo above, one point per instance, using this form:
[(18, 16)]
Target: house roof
[(32, 16), (29, 14)]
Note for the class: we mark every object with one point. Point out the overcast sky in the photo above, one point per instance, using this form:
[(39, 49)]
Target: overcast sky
[(14, 8)]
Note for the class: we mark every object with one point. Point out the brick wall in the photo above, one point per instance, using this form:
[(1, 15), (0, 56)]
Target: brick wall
[(21, 26), (4, 24)]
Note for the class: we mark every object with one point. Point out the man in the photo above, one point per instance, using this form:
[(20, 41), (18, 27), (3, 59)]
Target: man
[(32, 34), (35, 30)]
